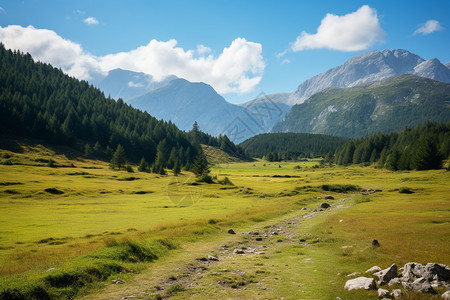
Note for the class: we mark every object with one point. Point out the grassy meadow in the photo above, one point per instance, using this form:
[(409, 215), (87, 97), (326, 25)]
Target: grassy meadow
[(93, 224)]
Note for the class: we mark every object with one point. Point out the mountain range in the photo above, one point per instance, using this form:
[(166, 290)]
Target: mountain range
[(183, 102), (382, 106), (368, 67)]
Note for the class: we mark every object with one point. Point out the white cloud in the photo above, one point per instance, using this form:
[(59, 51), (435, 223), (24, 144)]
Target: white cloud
[(237, 69), (78, 11), (91, 21), (286, 61), (2, 10), (429, 27), (203, 49), (352, 32)]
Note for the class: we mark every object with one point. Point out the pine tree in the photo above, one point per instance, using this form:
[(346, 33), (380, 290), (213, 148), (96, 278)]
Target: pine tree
[(176, 169), (427, 156), (143, 166), (200, 165), (119, 159)]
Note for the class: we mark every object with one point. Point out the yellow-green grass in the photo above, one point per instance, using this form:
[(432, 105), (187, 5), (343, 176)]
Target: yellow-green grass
[(99, 206)]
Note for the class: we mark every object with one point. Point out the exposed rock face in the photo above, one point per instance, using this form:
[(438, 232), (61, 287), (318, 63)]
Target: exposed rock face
[(386, 275), (368, 67), (360, 283), (446, 295)]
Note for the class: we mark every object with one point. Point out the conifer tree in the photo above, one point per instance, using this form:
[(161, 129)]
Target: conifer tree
[(119, 159)]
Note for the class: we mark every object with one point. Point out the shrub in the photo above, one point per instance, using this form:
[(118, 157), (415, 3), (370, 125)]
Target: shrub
[(226, 181)]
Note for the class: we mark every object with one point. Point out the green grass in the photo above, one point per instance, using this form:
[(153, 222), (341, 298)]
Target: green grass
[(109, 223)]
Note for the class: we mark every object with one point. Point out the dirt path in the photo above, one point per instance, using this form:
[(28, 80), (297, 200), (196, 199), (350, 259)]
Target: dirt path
[(187, 268)]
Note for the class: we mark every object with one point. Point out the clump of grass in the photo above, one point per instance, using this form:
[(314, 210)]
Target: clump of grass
[(175, 288), (340, 188), (363, 199)]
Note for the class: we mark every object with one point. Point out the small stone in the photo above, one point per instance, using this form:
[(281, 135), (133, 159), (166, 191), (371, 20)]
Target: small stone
[(397, 293), (354, 274), (373, 269), (259, 239), (324, 205), (238, 251), (329, 197), (51, 269), (382, 293), (231, 231), (212, 258)]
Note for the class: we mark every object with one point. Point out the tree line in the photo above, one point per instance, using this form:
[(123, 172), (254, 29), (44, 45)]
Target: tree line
[(422, 148), (291, 146), (40, 101)]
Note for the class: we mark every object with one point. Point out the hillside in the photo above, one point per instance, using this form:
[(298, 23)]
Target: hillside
[(368, 67), (384, 106), (183, 103), (291, 145), (127, 85), (39, 101)]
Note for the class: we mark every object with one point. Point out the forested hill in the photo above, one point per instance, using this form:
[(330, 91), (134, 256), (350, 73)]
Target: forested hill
[(287, 146), (40, 101), (422, 148)]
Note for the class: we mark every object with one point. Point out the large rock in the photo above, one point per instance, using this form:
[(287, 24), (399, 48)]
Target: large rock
[(436, 272), (360, 283), (420, 285), (386, 275), (412, 271), (431, 272)]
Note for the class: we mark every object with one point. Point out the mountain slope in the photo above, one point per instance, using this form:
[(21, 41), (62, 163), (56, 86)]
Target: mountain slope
[(39, 101), (383, 106), (128, 84), (368, 67), (184, 103)]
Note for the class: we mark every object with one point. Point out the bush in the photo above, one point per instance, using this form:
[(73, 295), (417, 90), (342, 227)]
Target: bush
[(340, 188), (226, 181), (206, 178), (129, 169)]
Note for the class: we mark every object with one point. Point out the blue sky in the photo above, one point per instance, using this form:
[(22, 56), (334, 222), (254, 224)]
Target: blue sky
[(255, 33)]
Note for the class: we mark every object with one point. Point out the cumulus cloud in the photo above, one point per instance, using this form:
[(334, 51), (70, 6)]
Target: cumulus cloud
[(429, 27), (237, 69), (91, 21), (201, 49), (352, 32)]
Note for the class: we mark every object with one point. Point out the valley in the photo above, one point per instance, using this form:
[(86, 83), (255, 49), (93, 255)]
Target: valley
[(97, 210)]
